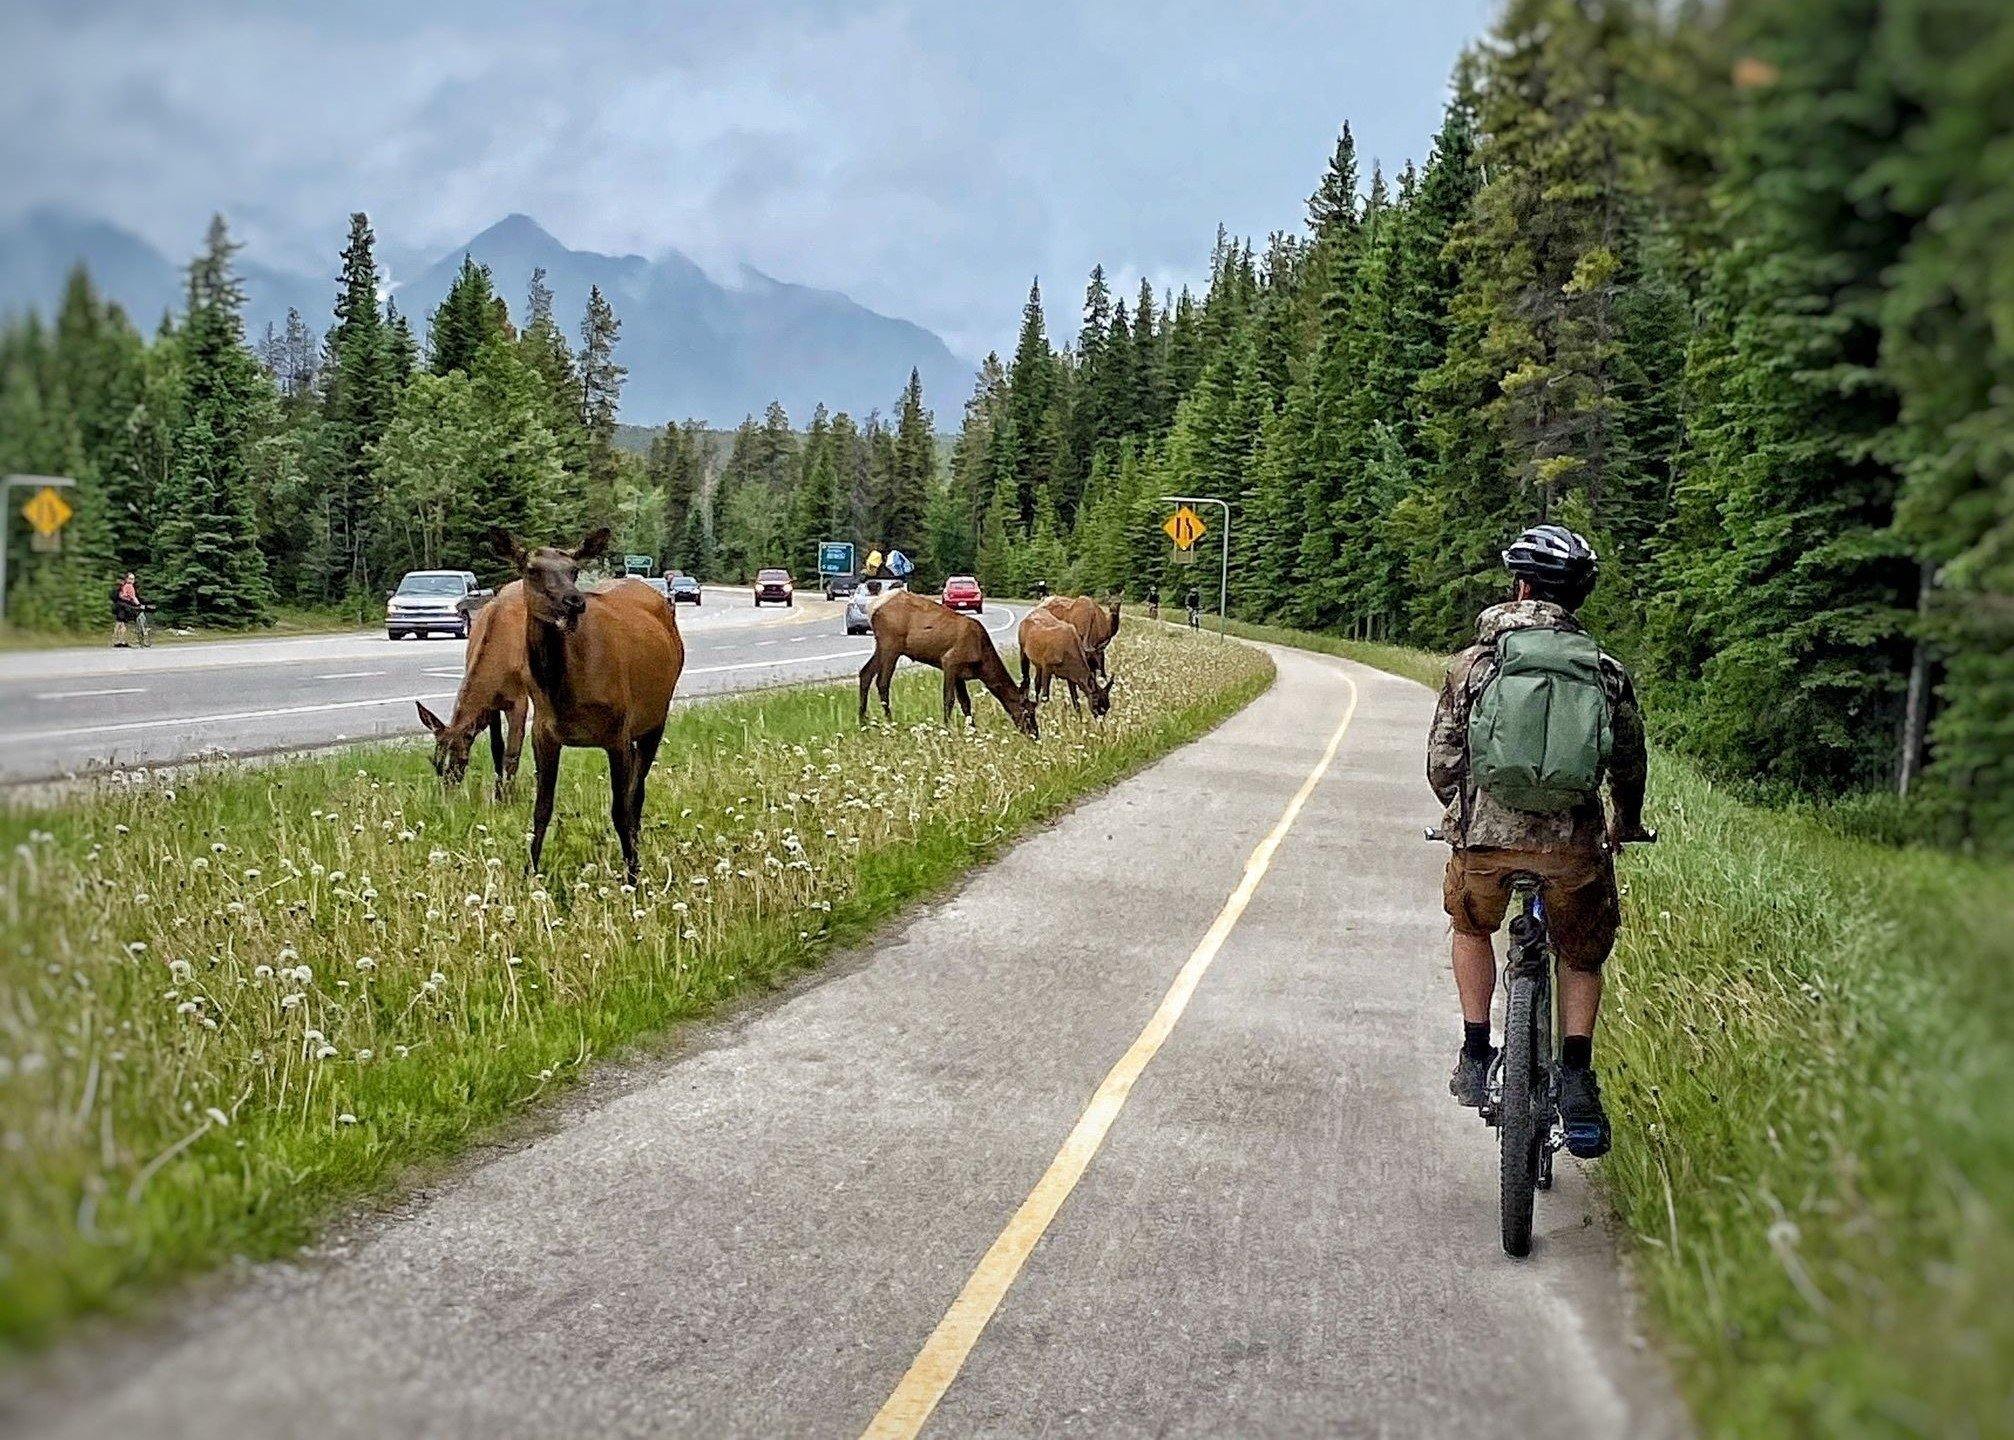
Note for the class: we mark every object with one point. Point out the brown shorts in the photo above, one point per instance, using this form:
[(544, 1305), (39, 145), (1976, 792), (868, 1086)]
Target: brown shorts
[(1581, 905)]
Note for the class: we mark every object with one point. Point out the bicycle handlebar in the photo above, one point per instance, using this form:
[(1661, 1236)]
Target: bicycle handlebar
[(1646, 836)]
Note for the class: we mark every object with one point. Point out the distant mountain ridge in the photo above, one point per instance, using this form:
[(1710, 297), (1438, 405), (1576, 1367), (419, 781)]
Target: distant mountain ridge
[(695, 347)]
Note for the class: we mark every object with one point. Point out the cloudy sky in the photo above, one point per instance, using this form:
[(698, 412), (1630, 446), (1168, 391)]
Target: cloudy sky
[(924, 158)]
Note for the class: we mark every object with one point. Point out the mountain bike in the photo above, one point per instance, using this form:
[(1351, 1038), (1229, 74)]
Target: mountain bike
[(1521, 1095)]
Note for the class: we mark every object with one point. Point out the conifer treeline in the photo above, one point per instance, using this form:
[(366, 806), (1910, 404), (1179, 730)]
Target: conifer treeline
[(1723, 287), (1716, 287)]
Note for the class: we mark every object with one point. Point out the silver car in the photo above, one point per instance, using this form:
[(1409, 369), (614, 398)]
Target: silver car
[(430, 602), (859, 615)]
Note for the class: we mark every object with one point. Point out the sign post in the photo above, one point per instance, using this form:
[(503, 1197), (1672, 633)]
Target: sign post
[(1185, 527), (47, 512)]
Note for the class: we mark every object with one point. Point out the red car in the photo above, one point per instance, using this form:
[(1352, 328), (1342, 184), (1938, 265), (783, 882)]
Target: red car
[(961, 592), (774, 587)]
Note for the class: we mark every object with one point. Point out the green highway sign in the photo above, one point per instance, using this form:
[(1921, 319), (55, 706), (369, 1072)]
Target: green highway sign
[(835, 557)]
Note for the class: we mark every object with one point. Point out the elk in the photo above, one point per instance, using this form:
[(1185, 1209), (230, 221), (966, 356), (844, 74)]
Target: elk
[(603, 665), (1053, 647), (908, 626), (1095, 625), (495, 689)]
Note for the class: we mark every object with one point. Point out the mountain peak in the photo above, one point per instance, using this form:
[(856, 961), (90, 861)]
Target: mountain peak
[(516, 229)]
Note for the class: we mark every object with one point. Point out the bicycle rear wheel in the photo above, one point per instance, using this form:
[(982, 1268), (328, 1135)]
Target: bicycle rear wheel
[(1517, 1123)]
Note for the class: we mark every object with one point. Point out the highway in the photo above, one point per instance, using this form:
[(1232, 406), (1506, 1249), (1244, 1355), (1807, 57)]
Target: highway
[(76, 710)]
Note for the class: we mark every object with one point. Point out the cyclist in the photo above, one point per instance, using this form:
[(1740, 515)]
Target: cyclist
[(1569, 840), (1194, 600), (1153, 602), (128, 609)]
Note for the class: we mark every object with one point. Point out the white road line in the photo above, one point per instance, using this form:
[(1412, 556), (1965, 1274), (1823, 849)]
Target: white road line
[(89, 694), (772, 664), (444, 674), (352, 675), (16, 736)]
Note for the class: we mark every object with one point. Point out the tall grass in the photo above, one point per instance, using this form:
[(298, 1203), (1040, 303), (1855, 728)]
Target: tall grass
[(232, 1002), (1807, 1049)]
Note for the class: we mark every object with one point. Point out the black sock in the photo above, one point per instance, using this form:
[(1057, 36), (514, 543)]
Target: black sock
[(1476, 1040), (1576, 1052)]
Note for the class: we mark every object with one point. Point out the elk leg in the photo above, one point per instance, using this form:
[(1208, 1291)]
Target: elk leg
[(884, 678), (545, 760), (950, 695), (514, 746), (497, 751), (1024, 673), (867, 672), (621, 765), (646, 756), (964, 698), (1076, 696)]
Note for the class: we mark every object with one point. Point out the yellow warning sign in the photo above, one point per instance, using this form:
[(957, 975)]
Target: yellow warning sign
[(47, 511), (1185, 527)]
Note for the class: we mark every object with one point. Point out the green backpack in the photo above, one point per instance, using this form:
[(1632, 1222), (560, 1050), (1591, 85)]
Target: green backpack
[(1539, 735)]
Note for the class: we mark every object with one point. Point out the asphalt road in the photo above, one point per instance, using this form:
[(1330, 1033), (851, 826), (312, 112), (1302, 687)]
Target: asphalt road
[(64, 711), (1145, 1131)]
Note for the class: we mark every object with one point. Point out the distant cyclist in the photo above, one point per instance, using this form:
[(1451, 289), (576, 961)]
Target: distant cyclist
[(1194, 600), (1153, 602), (1534, 721), (128, 609)]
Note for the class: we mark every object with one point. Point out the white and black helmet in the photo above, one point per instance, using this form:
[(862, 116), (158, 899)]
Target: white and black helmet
[(1554, 558)]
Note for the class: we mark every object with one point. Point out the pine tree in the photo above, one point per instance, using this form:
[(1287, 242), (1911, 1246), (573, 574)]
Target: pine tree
[(359, 396), (600, 395), (913, 472), (467, 319), (210, 569), (1031, 392)]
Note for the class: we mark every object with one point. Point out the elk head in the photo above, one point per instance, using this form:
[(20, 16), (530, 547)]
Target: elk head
[(1021, 710), (451, 748), (551, 575), (1101, 696)]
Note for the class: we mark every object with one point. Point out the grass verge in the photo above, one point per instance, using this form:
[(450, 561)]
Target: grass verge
[(1808, 1052), (234, 1002)]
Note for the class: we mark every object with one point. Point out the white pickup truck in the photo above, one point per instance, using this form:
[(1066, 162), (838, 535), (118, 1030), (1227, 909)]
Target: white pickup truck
[(429, 602)]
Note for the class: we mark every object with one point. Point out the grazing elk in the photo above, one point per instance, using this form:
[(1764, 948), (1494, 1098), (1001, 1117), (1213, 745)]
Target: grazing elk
[(1052, 647), (1095, 625), (495, 691), (603, 665), (907, 625)]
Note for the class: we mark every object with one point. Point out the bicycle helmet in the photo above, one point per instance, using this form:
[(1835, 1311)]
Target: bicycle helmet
[(1555, 562)]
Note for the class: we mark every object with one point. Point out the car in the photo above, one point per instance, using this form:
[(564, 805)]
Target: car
[(774, 587), (859, 615), (432, 602), (685, 591), (656, 582), (839, 587), (962, 592)]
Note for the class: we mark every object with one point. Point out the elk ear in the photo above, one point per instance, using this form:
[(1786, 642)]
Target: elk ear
[(429, 719), (593, 545), (507, 547)]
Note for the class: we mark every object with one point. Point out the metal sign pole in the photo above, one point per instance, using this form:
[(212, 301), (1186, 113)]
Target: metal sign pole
[(1224, 569), (7, 487)]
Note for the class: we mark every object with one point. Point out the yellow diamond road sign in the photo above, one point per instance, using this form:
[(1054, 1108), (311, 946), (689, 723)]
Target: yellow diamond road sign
[(47, 511), (1185, 527)]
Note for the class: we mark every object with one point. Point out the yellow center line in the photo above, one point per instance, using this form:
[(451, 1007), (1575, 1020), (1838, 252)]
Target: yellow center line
[(907, 1410)]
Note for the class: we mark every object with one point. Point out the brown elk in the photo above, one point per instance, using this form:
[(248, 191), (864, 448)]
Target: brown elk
[(1052, 647), (909, 626), (1095, 625), (495, 691), (603, 666)]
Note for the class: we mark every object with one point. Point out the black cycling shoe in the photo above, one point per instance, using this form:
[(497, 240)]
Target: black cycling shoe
[(1585, 1122), (1470, 1082)]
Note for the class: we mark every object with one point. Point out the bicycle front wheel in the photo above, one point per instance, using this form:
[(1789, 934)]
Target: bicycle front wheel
[(1517, 1123)]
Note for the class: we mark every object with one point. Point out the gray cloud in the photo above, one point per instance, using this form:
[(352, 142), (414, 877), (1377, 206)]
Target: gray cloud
[(925, 159)]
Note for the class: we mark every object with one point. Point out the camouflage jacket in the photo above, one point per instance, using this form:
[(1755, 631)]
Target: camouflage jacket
[(1473, 819)]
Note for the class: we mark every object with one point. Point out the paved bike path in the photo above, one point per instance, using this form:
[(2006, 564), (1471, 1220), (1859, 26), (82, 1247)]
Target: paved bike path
[(1289, 1228)]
